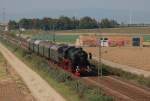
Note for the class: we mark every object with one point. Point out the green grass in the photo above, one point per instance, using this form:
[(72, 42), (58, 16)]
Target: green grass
[(70, 36), (139, 79), (43, 35), (58, 38), (60, 87), (63, 89), (2, 68), (33, 63), (64, 83), (127, 30)]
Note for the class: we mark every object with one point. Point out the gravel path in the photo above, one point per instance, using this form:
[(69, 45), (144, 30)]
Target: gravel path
[(39, 88)]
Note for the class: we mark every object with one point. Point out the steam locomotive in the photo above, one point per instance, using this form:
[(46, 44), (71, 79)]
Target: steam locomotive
[(71, 58)]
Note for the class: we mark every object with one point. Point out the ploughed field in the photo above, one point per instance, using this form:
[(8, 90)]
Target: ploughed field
[(134, 57)]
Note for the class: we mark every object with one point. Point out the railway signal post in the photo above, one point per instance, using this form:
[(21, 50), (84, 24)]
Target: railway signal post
[(54, 33), (100, 68)]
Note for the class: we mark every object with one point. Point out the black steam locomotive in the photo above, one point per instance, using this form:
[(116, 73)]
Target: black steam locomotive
[(71, 58)]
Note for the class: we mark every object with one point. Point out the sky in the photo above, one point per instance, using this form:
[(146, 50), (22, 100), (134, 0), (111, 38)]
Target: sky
[(120, 10)]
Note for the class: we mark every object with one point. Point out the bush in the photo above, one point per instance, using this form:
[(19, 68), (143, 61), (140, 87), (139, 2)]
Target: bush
[(39, 65), (93, 95), (140, 79)]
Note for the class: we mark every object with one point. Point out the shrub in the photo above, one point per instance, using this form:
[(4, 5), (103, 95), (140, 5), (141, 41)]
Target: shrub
[(140, 79), (41, 66)]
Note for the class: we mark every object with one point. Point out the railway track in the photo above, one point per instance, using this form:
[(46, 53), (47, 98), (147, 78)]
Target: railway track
[(119, 89), (116, 87)]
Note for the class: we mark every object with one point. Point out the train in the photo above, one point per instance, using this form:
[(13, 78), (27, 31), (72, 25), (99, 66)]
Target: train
[(69, 57)]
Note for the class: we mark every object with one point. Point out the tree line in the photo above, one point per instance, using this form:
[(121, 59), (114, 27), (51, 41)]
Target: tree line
[(62, 23)]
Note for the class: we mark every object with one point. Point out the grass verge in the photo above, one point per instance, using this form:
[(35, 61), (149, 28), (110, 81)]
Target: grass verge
[(139, 79), (2, 67), (64, 83)]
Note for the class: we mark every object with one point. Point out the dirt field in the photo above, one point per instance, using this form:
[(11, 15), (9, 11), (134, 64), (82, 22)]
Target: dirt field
[(11, 86), (135, 57), (39, 88)]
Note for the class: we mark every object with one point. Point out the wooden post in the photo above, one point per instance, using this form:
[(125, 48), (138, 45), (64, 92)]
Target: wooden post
[(6, 67)]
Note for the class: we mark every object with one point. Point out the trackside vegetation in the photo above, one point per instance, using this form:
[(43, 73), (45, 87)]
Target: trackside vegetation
[(2, 66), (139, 79), (71, 88)]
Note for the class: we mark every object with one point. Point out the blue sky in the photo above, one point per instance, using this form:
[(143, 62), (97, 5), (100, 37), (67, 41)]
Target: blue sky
[(114, 9)]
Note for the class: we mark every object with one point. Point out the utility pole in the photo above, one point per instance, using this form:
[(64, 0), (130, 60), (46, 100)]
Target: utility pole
[(6, 66), (4, 16), (100, 68), (130, 17), (54, 39), (75, 23), (20, 32)]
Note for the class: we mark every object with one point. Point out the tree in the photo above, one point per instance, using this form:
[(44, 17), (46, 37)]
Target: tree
[(12, 25), (36, 24), (106, 23), (47, 23), (26, 23), (87, 23), (114, 23), (75, 23), (62, 23)]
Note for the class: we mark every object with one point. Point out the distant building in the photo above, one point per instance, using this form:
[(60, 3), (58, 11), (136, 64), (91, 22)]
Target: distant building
[(87, 41), (117, 40), (4, 27), (121, 40)]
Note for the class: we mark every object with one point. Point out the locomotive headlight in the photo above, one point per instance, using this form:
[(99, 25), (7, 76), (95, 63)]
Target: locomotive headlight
[(77, 69)]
